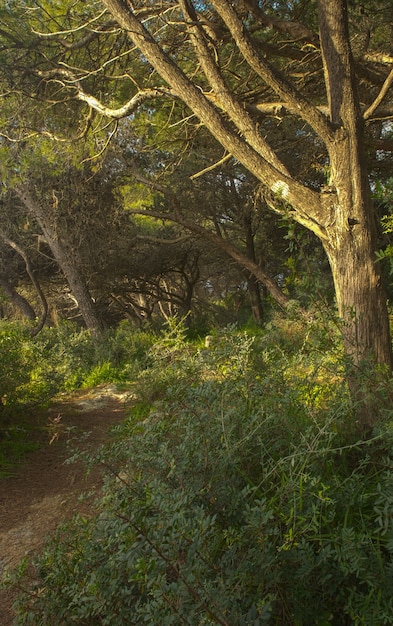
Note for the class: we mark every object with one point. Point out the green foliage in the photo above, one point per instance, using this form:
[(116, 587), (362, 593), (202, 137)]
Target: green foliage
[(383, 194), (234, 497), (62, 358), (14, 361)]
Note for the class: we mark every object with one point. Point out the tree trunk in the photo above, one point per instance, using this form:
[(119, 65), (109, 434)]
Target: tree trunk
[(255, 299), (19, 301), (67, 262), (77, 284), (362, 307), (252, 282), (361, 299)]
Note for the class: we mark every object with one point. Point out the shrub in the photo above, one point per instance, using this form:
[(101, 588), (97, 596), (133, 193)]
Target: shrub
[(233, 500), (63, 358), (15, 361)]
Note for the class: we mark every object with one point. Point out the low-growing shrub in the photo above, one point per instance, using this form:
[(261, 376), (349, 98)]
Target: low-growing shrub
[(15, 360), (233, 499), (59, 359)]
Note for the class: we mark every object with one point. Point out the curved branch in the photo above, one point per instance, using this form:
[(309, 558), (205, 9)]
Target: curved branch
[(125, 110), (69, 31), (81, 43), (384, 89), (29, 270)]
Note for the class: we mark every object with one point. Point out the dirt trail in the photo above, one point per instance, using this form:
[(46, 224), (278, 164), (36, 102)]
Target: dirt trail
[(46, 491)]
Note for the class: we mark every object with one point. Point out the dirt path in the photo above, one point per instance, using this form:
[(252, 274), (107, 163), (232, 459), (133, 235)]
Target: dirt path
[(46, 491)]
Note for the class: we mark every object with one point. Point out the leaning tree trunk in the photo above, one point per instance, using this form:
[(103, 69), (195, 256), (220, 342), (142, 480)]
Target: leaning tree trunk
[(66, 259)]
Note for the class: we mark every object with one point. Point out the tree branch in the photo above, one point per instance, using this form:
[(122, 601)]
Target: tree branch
[(274, 79), (378, 57), (225, 158), (294, 29), (69, 31), (303, 199), (384, 89), (124, 111), (226, 100), (34, 331)]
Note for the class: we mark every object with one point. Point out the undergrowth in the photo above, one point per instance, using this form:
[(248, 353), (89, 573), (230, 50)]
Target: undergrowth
[(59, 359), (237, 493)]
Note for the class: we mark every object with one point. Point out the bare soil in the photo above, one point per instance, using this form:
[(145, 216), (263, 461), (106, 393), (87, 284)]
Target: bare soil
[(45, 490)]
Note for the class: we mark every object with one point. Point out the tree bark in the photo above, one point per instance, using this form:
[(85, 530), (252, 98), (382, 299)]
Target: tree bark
[(66, 260), (361, 299), (17, 299), (351, 242)]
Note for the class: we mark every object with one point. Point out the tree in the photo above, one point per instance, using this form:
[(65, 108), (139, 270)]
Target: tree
[(243, 69), (340, 214), (221, 205)]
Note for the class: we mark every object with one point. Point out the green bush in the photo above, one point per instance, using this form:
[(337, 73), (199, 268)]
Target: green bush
[(15, 360), (63, 358), (234, 499)]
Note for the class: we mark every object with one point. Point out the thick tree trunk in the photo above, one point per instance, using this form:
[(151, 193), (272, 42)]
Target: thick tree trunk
[(351, 242), (361, 299), (362, 307)]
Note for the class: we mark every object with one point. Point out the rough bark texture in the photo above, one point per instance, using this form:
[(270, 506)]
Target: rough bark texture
[(351, 242)]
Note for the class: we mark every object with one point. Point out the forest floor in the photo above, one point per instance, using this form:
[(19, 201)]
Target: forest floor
[(45, 490)]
